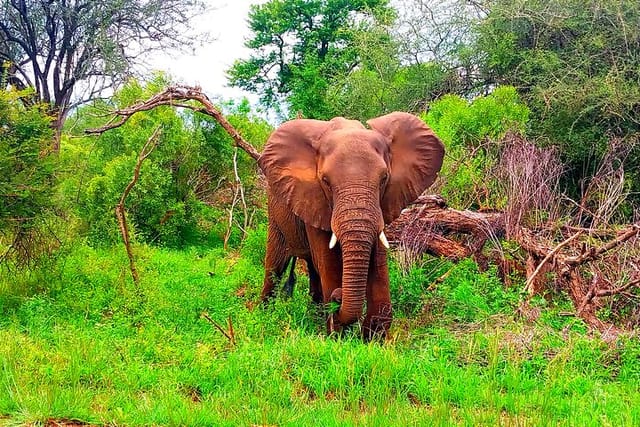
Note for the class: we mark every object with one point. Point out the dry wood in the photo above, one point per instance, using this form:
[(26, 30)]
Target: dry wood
[(175, 96), (528, 286), (429, 226), (238, 195), (230, 335), (120, 207), (568, 272), (594, 253)]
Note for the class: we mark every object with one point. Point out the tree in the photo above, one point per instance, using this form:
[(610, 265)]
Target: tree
[(62, 47), (383, 82), (575, 64), (300, 46)]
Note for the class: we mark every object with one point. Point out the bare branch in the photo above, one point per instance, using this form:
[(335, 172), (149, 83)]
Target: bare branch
[(594, 253), (528, 286), (172, 96), (120, 207)]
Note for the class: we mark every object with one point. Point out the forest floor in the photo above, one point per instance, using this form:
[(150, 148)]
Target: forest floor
[(80, 345)]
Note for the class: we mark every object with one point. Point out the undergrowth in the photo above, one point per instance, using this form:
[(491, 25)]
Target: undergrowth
[(80, 342)]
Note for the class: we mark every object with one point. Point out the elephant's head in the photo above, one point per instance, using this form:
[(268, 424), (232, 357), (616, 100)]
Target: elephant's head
[(340, 177)]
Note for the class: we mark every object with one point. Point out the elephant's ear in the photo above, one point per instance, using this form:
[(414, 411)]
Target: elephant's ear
[(289, 162), (416, 156)]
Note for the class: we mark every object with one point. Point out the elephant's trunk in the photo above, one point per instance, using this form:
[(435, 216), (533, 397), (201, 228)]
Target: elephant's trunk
[(357, 232), (356, 256)]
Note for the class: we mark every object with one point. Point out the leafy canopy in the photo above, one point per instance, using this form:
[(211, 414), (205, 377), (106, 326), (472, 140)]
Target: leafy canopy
[(575, 63), (300, 46)]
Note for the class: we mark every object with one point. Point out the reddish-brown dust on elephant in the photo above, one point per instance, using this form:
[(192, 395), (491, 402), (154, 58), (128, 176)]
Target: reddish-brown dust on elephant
[(332, 186)]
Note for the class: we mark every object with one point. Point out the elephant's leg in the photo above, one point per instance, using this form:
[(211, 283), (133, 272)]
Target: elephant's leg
[(275, 261), (291, 280), (379, 313), (315, 289)]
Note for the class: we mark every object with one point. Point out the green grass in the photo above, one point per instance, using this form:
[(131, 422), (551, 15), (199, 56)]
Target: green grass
[(79, 342)]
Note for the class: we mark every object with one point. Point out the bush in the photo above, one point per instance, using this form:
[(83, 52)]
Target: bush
[(26, 176), (472, 133), (254, 247), (410, 287), (468, 295), (191, 166), (464, 294)]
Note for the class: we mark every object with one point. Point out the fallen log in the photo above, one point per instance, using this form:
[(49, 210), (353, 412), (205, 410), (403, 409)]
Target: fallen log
[(428, 225)]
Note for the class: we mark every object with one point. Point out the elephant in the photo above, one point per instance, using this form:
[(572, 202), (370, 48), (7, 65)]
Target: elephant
[(332, 186)]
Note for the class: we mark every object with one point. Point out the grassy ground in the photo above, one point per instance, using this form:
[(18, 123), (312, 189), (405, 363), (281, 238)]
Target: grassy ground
[(79, 342)]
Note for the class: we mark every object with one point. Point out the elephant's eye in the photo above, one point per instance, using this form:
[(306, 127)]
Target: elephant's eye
[(384, 179), (326, 181)]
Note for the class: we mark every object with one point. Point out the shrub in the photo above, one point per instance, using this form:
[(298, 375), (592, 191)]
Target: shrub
[(472, 133), (26, 177)]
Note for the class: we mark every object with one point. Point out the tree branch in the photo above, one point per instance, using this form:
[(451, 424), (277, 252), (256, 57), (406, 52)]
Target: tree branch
[(594, 253), (528, 286), (120, 207), (170, 96)]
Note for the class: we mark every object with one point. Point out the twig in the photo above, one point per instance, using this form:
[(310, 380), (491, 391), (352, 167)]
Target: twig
[(528, 286), (169, 97), (238, 195), (241, 192), (594, 253), (120, 207), (618, 290), (229, 335), (231, 332)]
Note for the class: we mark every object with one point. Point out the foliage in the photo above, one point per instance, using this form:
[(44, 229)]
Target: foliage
[(300, 46), (184, 185), (468, 295), (57, 47), (410, 287), (471, 133), (382, 83), (575, 64), (26, 173), (486, 118), (449, 292), (218, 149)]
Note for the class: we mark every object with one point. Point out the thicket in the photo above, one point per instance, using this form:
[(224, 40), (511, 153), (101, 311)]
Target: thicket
[(482, 76), (185, 185), (27, 179)]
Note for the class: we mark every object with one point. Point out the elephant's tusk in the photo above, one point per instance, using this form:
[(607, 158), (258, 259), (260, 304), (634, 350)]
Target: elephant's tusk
[(384, 240), (333, 241)]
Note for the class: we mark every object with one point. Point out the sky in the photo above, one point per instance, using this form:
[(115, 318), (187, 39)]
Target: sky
[(227, 23)]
